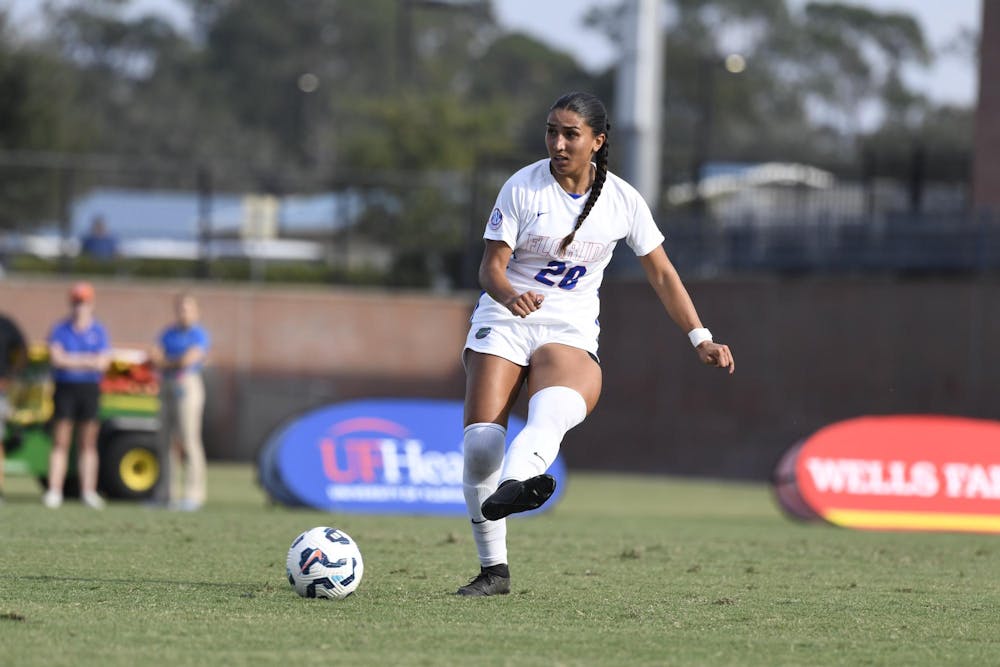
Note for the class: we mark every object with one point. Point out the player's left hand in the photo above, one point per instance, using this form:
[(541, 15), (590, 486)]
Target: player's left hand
[(716, 354)]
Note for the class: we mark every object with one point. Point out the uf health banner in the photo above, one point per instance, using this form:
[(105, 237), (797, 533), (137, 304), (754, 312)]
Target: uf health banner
[(902, 472), (387, 456)]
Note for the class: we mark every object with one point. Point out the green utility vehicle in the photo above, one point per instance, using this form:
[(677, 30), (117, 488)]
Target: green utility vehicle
[(130, 459)]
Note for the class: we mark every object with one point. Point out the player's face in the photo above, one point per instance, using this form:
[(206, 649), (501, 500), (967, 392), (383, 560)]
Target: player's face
[(571, 143), (187, 311), (81, 309), (81, 312)]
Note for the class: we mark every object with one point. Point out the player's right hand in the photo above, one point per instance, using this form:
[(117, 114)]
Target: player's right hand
[(525, 304)]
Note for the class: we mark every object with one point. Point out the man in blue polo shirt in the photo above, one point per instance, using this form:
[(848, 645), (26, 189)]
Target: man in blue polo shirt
[(79, 353)]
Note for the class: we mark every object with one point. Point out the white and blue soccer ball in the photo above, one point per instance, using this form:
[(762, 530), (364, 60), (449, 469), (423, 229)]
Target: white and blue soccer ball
[(324, 563)]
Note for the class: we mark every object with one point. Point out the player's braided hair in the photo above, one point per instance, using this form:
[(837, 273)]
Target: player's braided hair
[(591, 110)]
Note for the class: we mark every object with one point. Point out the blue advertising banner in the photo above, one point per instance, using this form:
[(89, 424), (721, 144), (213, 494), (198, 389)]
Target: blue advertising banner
[(386, 456)]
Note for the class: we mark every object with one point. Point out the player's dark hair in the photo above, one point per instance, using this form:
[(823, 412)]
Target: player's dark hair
[(595, 115)]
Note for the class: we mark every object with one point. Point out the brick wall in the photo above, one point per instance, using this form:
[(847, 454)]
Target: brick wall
[(276, 351), (809, 351)]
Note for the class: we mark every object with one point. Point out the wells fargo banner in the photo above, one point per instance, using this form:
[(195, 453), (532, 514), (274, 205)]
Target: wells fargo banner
[(387, 456), (899, 472)]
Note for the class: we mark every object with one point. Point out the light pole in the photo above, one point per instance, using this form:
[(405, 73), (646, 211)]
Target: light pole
[(639, 97)]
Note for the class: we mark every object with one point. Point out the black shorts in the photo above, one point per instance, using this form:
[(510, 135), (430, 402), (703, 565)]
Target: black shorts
[(77, 401)]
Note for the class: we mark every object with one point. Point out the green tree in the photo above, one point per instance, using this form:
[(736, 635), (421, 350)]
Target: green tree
[(807, 75), (36, 115), (711, 113), (853, 56), (520, 77)]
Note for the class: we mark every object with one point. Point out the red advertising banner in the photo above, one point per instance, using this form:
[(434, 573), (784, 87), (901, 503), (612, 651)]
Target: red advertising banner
[(903, 472)]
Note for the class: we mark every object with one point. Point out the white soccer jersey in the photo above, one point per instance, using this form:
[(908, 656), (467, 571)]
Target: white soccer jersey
[(533, 214)]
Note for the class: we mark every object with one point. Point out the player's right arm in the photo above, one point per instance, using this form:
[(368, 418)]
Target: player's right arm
[(493, 279)]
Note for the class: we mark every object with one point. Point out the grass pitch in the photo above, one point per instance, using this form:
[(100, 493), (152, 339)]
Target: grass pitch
[(673, 572)]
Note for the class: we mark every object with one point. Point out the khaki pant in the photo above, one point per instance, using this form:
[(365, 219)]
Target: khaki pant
[(182, 404)]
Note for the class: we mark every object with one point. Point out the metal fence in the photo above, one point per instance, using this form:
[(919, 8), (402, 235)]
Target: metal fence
[(895, 243), (216, 221), (424, 229)]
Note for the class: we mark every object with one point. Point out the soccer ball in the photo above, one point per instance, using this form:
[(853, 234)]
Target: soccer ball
[(325, 563)]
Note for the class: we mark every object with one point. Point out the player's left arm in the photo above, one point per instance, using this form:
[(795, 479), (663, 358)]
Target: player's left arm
[(666, 282)]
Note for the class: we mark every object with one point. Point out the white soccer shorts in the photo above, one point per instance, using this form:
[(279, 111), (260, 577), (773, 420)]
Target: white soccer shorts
[(516, 340)]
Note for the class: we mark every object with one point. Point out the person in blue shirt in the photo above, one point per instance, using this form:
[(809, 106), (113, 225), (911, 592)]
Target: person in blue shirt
[(79, 353), (180, 355), (99, 243)]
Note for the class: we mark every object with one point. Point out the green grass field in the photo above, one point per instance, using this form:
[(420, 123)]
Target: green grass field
[(673, 572)]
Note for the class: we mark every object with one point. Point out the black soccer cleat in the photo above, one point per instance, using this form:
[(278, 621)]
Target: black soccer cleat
[(492, 580), (514, 496)]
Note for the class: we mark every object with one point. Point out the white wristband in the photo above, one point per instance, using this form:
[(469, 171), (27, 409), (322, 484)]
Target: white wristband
[(699, 336)]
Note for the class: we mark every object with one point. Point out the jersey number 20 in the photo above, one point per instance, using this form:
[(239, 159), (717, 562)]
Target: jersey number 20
[(569, 277)]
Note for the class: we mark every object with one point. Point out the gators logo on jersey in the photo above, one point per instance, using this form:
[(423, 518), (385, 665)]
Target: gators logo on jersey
[(496, 219)]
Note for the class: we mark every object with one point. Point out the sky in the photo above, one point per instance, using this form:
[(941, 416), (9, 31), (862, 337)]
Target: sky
[(954, 80), (560, 24)]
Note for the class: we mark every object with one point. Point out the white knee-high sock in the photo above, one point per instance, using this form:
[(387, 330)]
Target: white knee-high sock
[(552, 412), (482, 450)]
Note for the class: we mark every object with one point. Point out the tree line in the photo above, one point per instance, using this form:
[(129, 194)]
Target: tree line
[(294, 93)]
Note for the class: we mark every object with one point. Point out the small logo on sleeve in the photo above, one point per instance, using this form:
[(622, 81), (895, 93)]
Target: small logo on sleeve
[(496, 219), (483, 333)]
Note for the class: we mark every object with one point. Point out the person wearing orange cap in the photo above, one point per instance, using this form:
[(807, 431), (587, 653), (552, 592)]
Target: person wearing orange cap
[(79, 354)]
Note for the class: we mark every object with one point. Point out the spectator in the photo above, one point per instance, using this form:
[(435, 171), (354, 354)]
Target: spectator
[(13, 353), (180, 355), (79, 354), (98, 242)]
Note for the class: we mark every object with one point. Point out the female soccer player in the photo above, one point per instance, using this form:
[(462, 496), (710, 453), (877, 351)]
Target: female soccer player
[(548, 240)]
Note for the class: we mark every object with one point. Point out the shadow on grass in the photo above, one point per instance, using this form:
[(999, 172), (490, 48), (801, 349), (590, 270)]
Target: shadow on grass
[(266, 586)]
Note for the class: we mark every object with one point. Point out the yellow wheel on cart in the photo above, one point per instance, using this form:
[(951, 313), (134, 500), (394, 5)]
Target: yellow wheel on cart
[(139, 469), (130, 466)]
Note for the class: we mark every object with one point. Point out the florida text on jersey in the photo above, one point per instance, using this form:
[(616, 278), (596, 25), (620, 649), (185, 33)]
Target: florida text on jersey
[(533, 214)]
